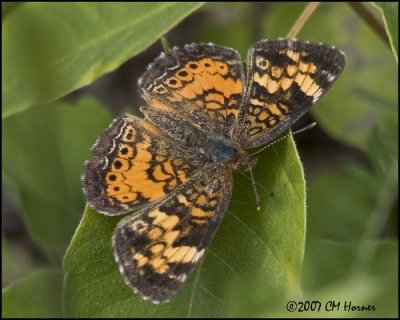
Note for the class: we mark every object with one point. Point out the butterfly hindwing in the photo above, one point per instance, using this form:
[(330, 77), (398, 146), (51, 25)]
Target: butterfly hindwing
[(158, 248)]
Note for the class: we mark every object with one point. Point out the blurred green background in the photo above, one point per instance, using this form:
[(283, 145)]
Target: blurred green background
[(63, 85)]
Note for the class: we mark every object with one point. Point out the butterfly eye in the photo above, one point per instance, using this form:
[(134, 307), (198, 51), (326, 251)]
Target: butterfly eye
[(262, 63)]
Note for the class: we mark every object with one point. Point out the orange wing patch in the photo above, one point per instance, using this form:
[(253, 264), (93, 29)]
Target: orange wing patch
[(136, 166), (205, 82), (137, 175)]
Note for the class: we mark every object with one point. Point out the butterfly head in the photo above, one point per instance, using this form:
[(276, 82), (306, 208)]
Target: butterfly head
[(243, 161)]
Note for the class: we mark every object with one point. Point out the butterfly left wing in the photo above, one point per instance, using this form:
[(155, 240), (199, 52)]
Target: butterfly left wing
[(136, 165), (285, 78), (158, 248)]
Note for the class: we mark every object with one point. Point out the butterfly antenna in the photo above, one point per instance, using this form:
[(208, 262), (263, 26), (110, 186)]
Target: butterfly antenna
[(310, 126), (253, 184)]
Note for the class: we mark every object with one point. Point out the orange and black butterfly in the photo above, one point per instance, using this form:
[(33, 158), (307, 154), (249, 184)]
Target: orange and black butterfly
[(172, 170)]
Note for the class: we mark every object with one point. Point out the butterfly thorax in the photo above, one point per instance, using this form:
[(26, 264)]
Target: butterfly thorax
[(216, 148), (232, 156), (222, 152)]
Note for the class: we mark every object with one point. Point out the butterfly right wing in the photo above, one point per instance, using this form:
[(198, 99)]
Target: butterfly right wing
[(135, 166), (158, 248), (285, 78)]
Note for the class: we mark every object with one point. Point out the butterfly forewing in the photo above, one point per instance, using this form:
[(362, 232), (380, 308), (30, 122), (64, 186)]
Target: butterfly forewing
[(284, 79)]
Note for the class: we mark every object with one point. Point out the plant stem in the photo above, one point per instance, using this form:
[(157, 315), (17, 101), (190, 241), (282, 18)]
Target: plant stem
[(302, 19)]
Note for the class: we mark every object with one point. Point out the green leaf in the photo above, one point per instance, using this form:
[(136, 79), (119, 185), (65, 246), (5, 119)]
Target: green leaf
[(383, 150), (279, 19), (390, 16), (358, 101), (7, 8), (254, 261), (43, 153), (232, 29), (52, 49), (329, 274), (37, 296), (340, 201), (354, 200)]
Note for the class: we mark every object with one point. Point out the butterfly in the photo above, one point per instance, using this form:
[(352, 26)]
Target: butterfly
[(172, 170)]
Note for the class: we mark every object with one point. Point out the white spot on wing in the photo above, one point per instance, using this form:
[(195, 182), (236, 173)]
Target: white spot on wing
[(182, 277), (162, 76), (172, 68), (317, 95), (331, 77), (112, 148), (105, 163), (197, 256)]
